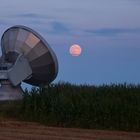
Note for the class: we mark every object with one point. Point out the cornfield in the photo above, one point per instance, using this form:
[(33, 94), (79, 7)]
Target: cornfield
[(112, 107)]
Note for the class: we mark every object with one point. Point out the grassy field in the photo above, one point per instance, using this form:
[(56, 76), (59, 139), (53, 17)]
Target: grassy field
[(112, 107)]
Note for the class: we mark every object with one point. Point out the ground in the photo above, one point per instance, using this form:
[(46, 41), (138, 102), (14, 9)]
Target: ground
[(14, 130)]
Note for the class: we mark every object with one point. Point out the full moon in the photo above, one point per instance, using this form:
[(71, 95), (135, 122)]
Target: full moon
[(75, 50)]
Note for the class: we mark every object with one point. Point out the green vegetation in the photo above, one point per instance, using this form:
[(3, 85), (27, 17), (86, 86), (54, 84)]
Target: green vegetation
[(113, 107)]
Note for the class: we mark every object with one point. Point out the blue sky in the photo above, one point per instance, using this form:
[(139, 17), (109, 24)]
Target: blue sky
[(107, 30)]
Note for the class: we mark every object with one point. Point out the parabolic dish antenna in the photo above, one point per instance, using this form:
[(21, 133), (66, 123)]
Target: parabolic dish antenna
[(27, 57)]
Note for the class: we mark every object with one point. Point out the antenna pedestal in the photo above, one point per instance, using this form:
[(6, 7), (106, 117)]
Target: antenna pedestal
[(9, 92)]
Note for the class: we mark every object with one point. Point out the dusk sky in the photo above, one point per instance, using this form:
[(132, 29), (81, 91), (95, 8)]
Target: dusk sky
[(108, 32)]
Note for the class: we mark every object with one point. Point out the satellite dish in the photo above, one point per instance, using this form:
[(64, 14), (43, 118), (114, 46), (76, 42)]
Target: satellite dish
[(26, 57)]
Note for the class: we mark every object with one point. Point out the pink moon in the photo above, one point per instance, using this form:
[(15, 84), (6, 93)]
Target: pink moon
[(75, 50)]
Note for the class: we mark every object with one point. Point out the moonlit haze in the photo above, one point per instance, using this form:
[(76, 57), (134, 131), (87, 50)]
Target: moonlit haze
[(108, 32)]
